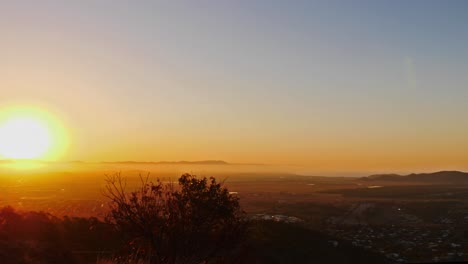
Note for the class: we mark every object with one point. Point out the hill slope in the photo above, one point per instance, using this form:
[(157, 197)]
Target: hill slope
[(441, 177)]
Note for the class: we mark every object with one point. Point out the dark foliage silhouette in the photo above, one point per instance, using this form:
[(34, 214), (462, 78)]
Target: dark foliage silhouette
[(38, 237), (194, 222)]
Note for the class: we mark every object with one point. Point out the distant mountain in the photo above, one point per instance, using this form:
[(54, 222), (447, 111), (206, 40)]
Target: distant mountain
[(441, 177), (202, 162), (383, 177)]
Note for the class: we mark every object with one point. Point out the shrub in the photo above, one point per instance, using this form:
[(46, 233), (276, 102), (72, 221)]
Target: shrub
[(194, 222)]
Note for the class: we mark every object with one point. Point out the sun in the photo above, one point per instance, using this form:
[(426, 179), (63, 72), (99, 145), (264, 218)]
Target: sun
[(24, 138), (28, 133)]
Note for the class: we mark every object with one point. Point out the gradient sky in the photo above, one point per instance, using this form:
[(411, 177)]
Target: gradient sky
[(331, 85)]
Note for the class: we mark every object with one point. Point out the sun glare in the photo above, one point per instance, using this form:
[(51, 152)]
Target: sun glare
[(24, 138), (29, 134)]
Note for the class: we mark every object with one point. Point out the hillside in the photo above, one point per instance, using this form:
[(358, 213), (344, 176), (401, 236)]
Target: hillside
[(441, 177)]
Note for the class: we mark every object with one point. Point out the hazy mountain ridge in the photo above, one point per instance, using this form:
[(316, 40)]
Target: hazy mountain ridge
[(435, 177), (202, 162)]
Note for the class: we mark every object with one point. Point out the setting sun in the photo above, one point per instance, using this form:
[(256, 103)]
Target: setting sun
[(29, 133), (24, 138)]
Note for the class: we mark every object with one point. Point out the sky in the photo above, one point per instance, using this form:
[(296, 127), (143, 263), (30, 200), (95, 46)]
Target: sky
[(329, 85)]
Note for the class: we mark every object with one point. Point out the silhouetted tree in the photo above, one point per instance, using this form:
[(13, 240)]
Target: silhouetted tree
[(194, 222)]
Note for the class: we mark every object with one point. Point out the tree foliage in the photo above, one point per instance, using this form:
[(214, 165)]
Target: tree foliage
[(195, 221)]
